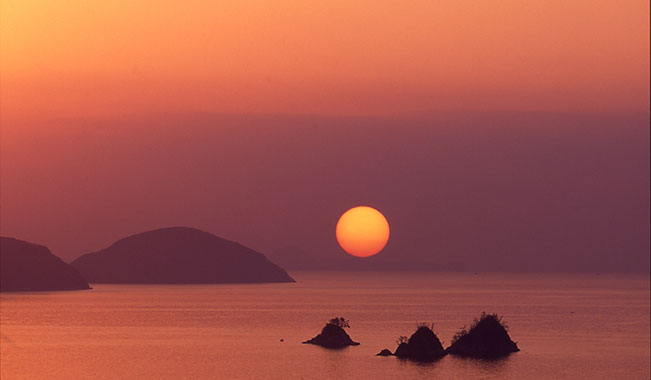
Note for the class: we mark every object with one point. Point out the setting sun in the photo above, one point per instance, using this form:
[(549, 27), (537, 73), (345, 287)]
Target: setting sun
[(362, 231)]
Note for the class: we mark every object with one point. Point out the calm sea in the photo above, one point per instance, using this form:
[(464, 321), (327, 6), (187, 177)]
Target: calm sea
[(567, 326)]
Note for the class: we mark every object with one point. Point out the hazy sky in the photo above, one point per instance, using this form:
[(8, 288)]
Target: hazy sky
[(96, 57), (510, 135)]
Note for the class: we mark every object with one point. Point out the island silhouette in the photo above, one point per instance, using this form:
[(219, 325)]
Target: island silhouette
[(26, 266), (423, 345), (178, 255), (333, 335), (486, 338)]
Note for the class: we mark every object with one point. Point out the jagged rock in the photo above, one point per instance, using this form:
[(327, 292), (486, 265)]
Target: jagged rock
[(423, 345), (486, 338), (333, 335)]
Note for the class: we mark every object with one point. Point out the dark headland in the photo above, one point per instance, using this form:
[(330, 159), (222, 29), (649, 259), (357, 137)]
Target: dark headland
[(486, 338), (333, 335), (26, 266), (178, 255)]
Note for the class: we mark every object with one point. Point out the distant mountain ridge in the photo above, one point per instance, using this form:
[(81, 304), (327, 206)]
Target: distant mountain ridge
[(26, 266), (178, 255)]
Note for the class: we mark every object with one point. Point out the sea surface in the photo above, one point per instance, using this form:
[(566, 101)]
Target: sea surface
[(567, 326)]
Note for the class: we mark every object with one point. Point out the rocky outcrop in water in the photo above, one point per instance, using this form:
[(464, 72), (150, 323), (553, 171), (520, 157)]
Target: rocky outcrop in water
[(26, 266), (486, 338), (333, 335), (422, 345)]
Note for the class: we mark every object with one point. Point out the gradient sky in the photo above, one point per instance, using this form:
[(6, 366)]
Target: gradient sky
[(510, 135), (96, 57)]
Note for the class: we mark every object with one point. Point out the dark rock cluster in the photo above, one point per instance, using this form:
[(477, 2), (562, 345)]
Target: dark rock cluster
[(487, 338)]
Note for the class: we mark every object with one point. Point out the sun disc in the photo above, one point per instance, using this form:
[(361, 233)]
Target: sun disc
[(362, 231)]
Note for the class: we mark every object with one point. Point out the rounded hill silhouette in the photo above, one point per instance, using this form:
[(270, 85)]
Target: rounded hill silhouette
[(178, 255)]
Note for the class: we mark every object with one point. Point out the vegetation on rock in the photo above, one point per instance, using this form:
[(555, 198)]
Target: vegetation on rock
[(333, 335), (487, 337)]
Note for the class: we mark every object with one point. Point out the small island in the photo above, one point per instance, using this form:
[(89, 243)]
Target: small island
[(423, 345), (26, 266), (487, 338), (333, 335)]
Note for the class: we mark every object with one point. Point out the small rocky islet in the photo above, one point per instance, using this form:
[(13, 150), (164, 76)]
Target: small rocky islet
[(333, 335), (487, 338), (423, 345)]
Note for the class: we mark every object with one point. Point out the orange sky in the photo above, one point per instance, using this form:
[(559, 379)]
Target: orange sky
[(92, 57)]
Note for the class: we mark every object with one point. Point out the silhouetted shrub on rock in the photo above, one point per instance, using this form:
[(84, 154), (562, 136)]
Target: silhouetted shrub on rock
[(333, 335), (341, 322), (423, 345), (486, 338)]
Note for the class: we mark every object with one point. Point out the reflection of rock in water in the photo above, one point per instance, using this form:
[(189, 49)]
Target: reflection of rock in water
[(423, 345), (333, 335), (486, 338)]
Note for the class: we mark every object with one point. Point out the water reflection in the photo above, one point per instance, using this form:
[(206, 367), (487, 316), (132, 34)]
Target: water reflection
[(494, 367), (233, 332)]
